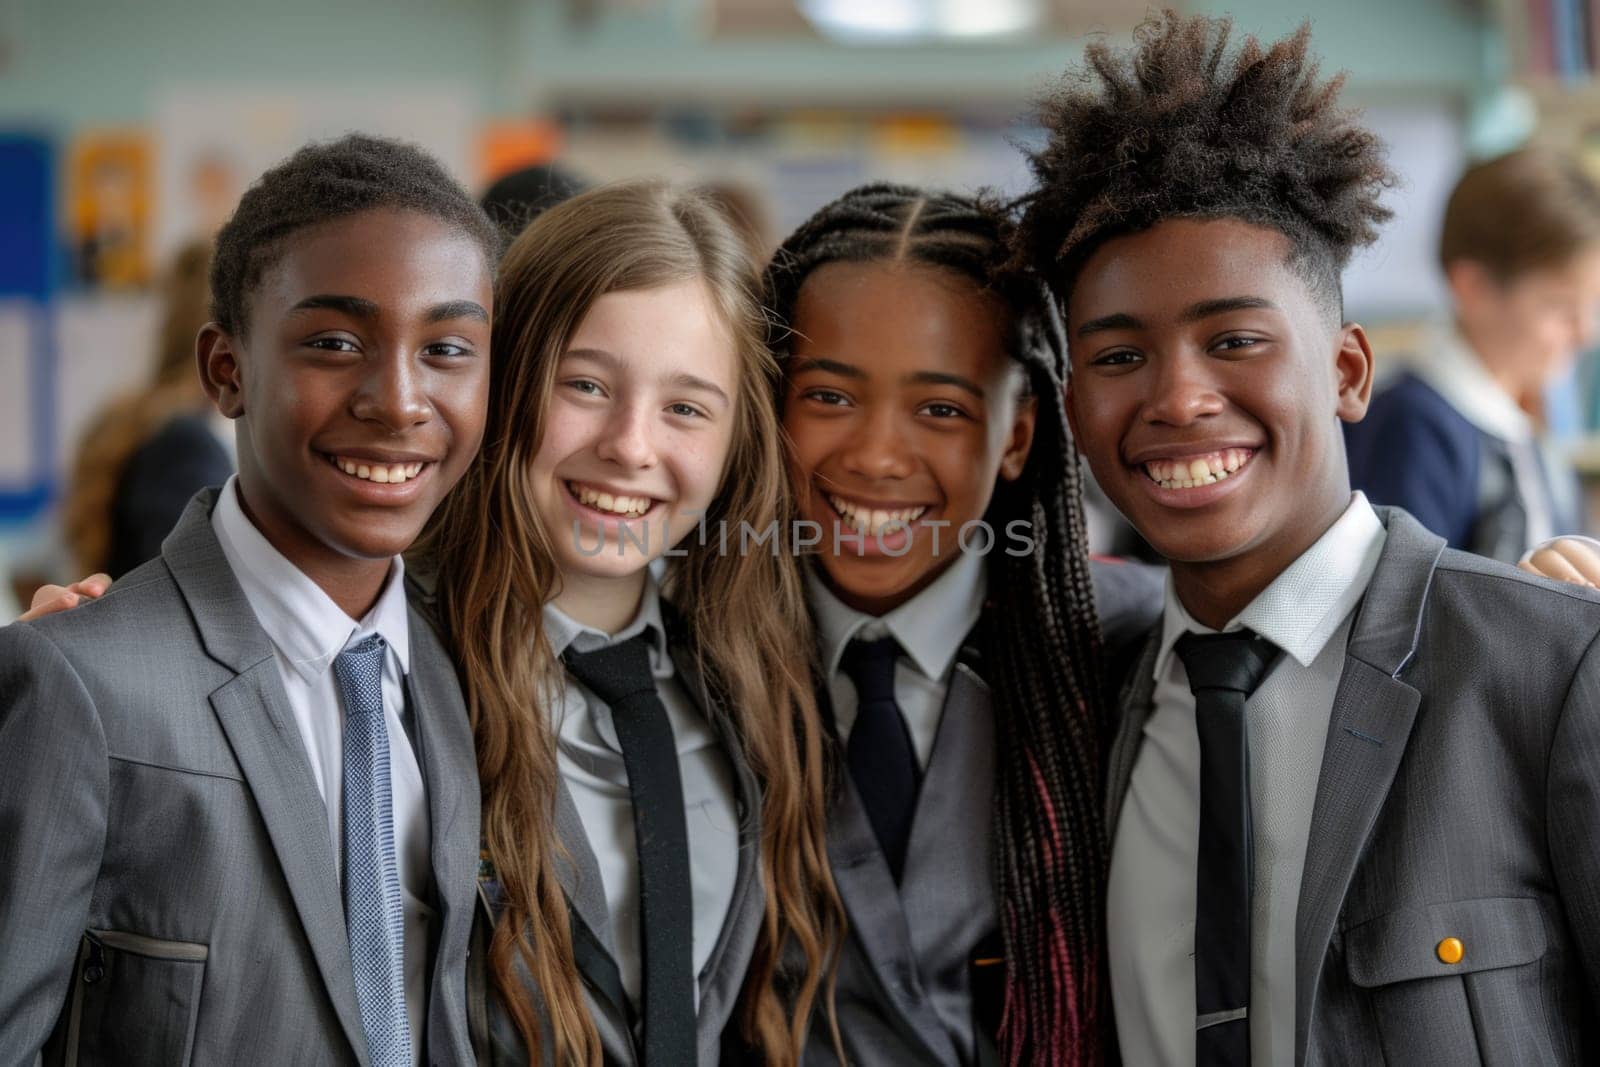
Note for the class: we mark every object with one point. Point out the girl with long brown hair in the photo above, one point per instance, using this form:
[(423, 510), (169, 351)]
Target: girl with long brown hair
[(632, 420)]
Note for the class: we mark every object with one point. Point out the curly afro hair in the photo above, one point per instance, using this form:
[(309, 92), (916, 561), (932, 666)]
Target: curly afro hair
[(327, 181), (1183, 126)]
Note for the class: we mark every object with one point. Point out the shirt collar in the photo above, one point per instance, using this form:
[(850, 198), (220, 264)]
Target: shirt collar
[(1455, 373), (564, 631), (930, 626), (307, 627), (1305, 605)]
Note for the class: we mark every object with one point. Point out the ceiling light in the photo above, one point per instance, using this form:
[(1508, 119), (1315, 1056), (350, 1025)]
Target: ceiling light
[(901, 21)]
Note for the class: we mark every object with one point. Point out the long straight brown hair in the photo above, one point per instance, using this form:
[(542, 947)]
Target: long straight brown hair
[(751, 634)]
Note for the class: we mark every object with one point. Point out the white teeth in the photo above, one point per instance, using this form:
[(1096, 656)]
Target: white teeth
[(1201, 470), (873, 521), (614, 503), (392, 474)]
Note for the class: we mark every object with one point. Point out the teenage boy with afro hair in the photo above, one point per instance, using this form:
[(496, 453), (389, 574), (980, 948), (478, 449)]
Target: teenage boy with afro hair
[(1355, 794)]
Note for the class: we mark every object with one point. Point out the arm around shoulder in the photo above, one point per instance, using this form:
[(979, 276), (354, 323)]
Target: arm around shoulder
[(53, 793)]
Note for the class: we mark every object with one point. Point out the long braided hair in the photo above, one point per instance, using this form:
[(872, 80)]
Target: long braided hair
[(1038, 635)]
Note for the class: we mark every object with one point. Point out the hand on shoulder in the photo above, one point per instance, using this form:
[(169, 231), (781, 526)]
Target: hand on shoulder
[(1566, 559), (51, 599)]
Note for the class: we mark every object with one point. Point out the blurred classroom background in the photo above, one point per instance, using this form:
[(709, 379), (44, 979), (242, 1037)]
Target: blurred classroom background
[(128, 131)]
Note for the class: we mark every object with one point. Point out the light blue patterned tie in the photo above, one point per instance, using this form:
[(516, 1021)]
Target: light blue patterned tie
[(372, 906)]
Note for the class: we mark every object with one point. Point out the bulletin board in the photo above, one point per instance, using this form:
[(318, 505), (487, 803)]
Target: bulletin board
[(27, 349)]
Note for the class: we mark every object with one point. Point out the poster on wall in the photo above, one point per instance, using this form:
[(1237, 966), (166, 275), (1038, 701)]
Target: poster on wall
[(506, 147), (109, 203)]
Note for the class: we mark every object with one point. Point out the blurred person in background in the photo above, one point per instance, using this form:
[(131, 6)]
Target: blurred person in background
[(518, 198), (9, 604), (148, 452), (1458, 438)]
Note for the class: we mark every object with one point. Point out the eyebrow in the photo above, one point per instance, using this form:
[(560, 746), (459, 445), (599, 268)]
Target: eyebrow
[(921, 377), (350, 305), (831, 366), (361, 308), (1194, 313), (928, 377), (682, 380), (458, 309)]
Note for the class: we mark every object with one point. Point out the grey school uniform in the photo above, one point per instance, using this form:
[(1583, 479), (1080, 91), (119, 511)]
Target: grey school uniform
[(916, 982), (169, 893), (1458, 797), (724, 940)]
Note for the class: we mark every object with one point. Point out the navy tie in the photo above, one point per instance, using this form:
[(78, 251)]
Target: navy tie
[(1224, 669), (374, 914), (882, 761), (620, 675)]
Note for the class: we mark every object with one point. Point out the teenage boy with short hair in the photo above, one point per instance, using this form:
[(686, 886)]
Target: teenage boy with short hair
[(238, 799)]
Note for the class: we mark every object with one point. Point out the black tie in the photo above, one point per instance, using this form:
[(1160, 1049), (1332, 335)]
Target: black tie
[(882, 761), (620, 675), (1224, 669)]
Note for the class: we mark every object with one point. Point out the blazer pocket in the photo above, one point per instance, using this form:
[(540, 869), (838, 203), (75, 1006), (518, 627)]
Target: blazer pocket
[(135, 1000), (1456, 982)]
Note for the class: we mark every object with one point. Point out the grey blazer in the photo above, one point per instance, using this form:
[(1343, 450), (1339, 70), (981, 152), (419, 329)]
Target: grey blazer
[(496, 1038), (168, 891), (1459, 797), (917, 983)]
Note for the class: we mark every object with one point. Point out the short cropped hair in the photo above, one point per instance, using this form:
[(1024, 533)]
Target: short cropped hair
[(1521, 212), (327, 181)]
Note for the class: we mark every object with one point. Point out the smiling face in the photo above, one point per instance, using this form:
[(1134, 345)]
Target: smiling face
[(360, 386), (1206, 392), (902, 408), (636, 431)]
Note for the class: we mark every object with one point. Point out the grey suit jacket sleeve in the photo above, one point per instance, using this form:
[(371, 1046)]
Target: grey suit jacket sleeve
[(53, 789), (1573, 817)]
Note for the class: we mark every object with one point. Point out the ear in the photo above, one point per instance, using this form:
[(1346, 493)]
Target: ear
[(1469, 282), (1353, 373), (1020, 439), (217, 354)]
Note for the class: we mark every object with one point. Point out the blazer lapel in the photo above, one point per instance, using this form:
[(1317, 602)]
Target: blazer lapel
[(449, 765), (449, 768), (579, 876), (254, 712), (594, 949), (722, 978), (873, 906), (1134, 707), (255, 715), (1373, 713), (579, 872)]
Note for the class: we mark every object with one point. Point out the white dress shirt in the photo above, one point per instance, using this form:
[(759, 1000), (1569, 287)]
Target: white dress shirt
[(590, 760), (1306, 612), (308, 631), (930, 627)]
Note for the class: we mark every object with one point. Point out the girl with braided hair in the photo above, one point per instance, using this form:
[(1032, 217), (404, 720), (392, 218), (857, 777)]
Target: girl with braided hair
[(959, 646)]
